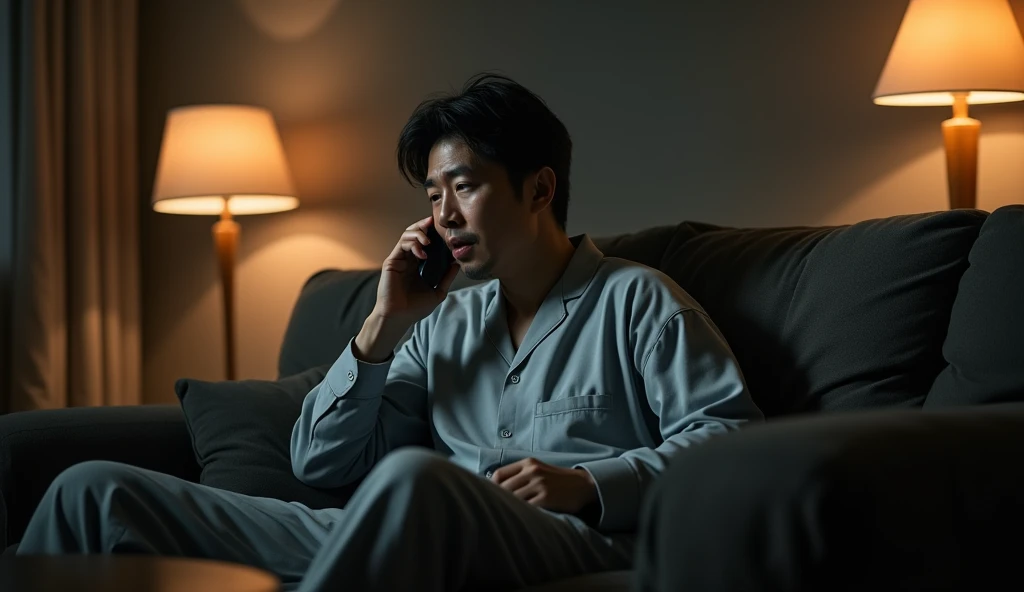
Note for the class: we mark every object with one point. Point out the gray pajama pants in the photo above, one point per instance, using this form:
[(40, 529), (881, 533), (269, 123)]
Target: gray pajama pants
[(417, 522)]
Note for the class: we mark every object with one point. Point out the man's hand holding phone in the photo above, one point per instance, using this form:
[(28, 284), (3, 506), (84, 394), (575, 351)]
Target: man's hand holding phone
[(403, 297)]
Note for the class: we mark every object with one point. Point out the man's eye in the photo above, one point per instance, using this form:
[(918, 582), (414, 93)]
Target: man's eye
[(462, 187), (435, 197)]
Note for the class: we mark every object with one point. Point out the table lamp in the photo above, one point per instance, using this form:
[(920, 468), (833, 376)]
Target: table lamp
[(224, 160), (959, 53)]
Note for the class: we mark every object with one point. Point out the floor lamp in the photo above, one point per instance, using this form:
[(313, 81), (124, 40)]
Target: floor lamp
[(959, 53), (223, 160)]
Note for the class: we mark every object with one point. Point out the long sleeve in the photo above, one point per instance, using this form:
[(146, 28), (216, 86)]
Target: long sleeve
[(359, 413), (694, 385)]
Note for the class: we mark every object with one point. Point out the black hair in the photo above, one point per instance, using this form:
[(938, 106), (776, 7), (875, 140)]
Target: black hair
[(500, 120)]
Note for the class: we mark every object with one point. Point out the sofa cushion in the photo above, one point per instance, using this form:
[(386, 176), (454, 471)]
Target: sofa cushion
[(831, 318), (985, 344), (329, 312), (241, 434)]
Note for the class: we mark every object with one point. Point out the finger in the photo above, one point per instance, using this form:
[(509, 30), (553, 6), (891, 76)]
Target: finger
[(397, 253), (517, 482), (402, 247), (412, 246), (506, 471), (448, 280), (536, 497), (422, 224), (397, 263), (416, 235), (531, 491)]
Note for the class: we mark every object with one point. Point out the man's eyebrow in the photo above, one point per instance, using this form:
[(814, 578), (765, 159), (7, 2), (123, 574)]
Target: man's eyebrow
[(449, 174)]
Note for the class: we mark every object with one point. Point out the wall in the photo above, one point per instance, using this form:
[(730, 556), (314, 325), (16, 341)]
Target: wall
[(743, 113)]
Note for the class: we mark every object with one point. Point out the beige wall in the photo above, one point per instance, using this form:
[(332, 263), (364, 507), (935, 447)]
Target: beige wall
[(743, 113)]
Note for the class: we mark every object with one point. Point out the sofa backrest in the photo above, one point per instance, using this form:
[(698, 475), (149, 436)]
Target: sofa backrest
[(833, 318), (329, 312), (820, 318)]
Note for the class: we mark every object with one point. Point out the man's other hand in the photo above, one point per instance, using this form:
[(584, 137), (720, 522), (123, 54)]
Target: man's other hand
[(545, 486)]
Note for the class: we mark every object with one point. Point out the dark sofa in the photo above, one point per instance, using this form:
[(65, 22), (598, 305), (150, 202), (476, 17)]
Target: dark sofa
[(917, 317)]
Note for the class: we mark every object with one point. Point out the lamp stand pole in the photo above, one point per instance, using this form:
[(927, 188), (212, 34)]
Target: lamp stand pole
[(225, 237), (960, 133)]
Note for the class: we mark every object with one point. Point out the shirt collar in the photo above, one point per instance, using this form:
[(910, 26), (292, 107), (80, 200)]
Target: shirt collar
[(574, 281), (582, 267), (577, 275)]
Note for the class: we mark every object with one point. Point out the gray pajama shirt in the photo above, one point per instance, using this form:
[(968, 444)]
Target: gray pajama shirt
[(619, 371)]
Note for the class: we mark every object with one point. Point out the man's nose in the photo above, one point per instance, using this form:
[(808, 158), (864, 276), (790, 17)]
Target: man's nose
[(449, 215)]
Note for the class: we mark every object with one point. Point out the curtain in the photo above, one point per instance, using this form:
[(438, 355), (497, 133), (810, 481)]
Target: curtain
[(69, 322)]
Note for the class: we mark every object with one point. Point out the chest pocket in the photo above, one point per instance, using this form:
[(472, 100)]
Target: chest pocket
[(572, 424)]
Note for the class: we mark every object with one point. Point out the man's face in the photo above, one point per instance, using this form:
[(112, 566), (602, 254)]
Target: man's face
[(476, 210)]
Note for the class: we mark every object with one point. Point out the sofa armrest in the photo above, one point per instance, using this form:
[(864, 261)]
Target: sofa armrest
[(923, 500), (35, 446)]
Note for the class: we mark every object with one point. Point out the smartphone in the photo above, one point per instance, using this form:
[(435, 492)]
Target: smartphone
[(439, 259)]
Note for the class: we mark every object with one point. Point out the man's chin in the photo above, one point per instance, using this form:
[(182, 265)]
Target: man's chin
[(476, 271)]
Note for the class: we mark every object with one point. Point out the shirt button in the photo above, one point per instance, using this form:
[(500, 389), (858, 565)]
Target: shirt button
[(506, 433), (515, 379), (351, 375)]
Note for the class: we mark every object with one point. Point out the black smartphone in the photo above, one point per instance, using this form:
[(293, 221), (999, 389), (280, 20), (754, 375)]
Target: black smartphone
[(439, 259)]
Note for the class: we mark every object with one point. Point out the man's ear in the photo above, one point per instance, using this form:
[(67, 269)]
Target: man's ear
[(541, 188)]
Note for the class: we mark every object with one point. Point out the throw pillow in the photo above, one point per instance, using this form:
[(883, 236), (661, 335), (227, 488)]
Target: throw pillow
[(985, 343), (241, 434)]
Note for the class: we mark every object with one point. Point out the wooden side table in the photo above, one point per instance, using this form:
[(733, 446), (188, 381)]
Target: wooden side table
[(129, 573)]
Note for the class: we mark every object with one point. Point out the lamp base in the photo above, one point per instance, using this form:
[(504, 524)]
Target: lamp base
[(960, 134), (225, 237)]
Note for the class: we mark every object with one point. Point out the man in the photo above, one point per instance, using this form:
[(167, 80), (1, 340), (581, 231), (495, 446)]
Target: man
[(551, 397)]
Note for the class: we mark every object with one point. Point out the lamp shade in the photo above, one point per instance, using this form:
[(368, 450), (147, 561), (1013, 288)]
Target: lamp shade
[(947, 46), (211, 153)]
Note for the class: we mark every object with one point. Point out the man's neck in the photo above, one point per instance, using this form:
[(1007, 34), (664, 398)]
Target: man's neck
[(546, 262)]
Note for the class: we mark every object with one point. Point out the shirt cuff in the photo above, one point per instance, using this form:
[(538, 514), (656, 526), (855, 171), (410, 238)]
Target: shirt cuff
[(355, 379), (618, 490)]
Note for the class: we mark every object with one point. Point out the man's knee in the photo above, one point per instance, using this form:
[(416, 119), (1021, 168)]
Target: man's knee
[(94, 473), (75, 513), (93, 479), (413, 468), (411, 463)]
